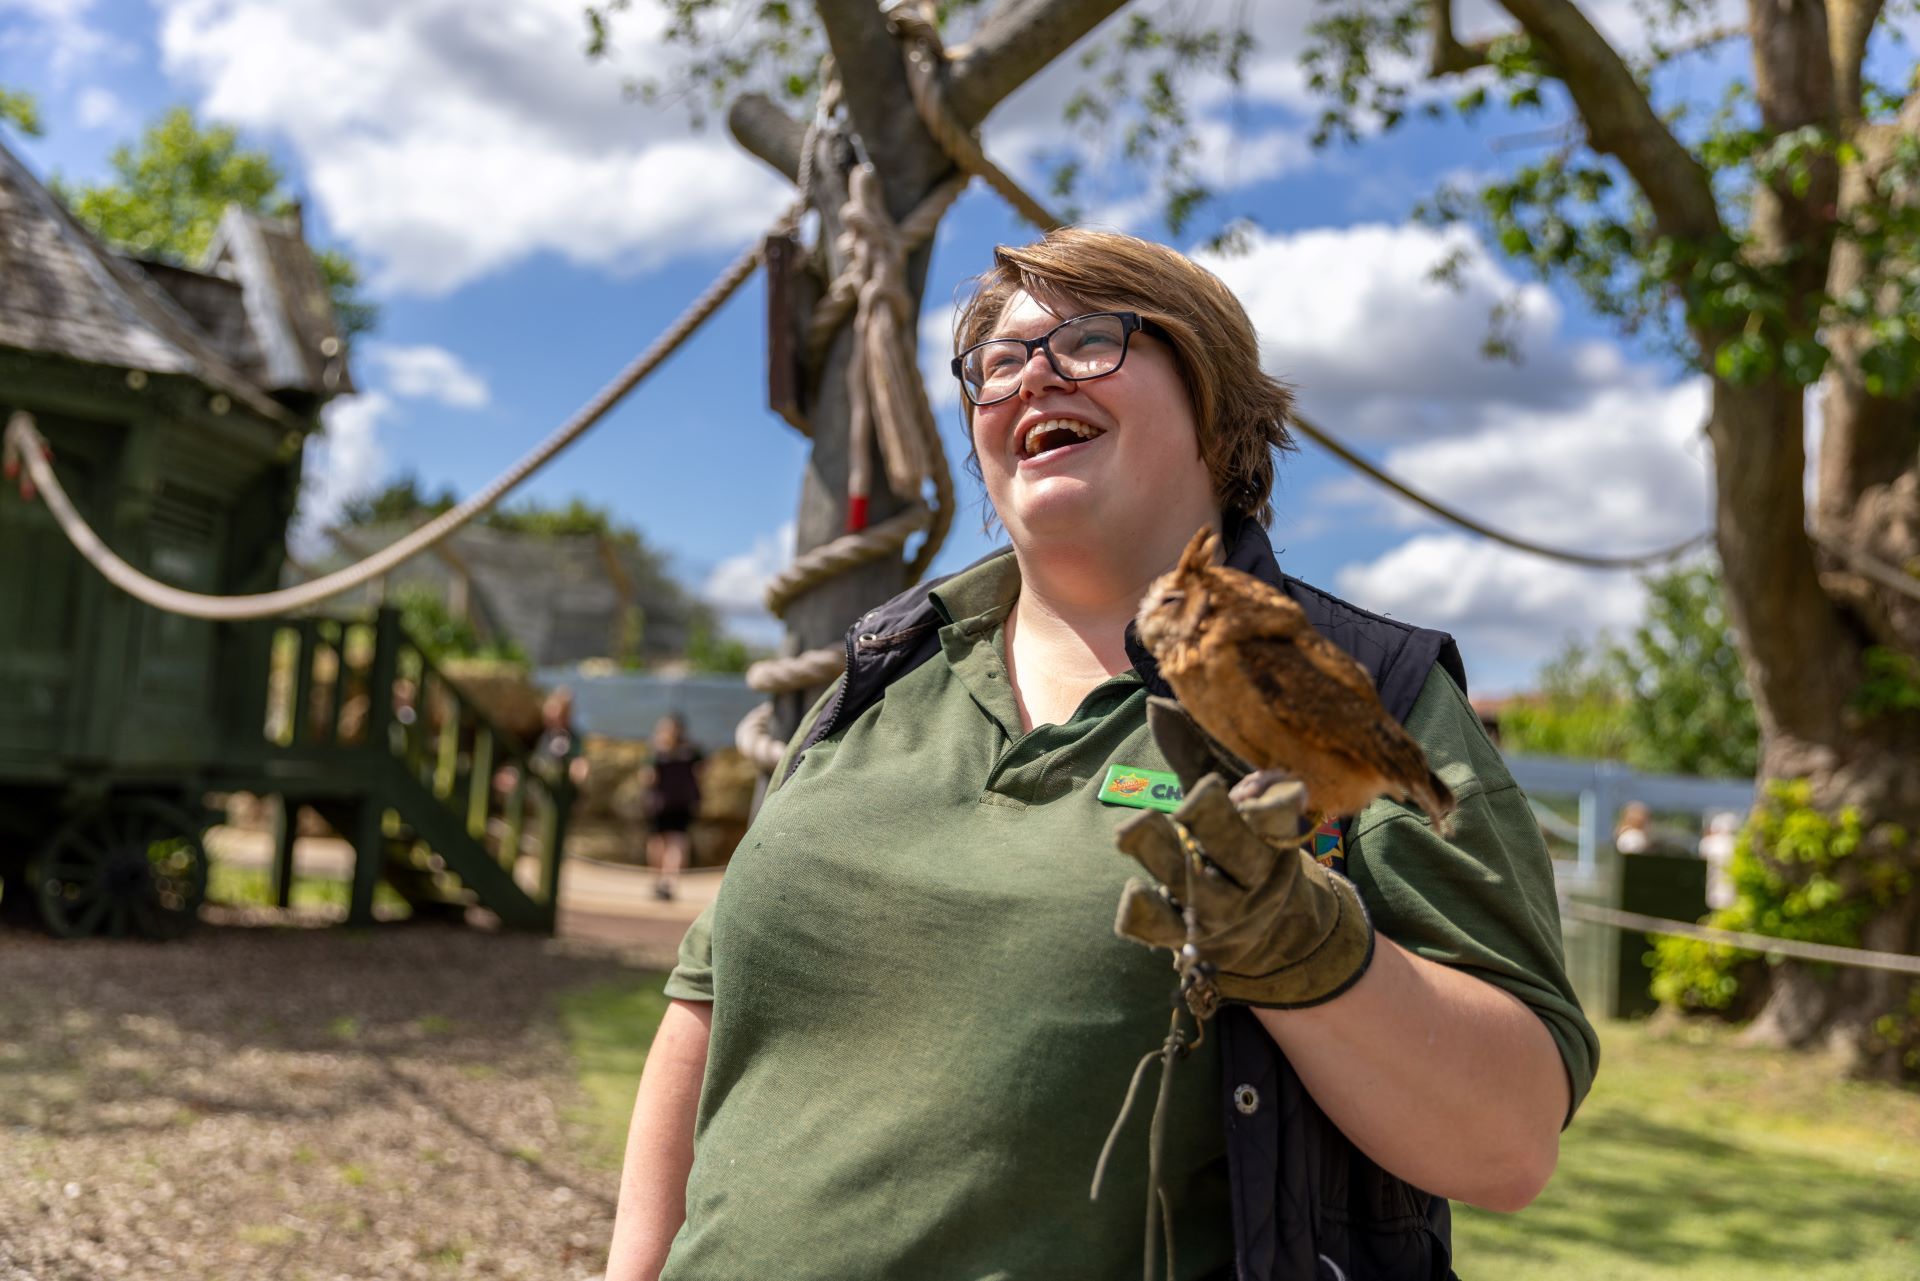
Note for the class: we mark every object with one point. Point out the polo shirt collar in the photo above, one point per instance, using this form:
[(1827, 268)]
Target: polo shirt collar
[(980, 594)]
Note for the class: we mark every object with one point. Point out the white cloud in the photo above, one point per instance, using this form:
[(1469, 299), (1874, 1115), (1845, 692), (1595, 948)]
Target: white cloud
[(1625, 471), (737, 586), (344, 462), (430, 372), (936, 357), (1353, 318), (446, 139), (98, 108), (1507, 609), (58, 34)]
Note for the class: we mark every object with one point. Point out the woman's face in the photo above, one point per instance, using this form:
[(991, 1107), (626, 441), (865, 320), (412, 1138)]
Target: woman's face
[(1139, 478)]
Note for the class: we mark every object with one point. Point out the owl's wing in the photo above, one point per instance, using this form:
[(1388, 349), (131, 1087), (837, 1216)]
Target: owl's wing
[(1272, 635), (1319, 693)]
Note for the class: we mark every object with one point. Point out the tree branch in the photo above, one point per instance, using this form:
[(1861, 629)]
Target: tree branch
[(1012, 47), (1620, 120), (1849, 24), (760, 126), (1448, 56), (873, 81), (1700, 41)]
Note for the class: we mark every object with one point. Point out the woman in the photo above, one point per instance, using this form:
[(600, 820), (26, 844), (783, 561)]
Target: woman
[(898, 1041), (673, 802)]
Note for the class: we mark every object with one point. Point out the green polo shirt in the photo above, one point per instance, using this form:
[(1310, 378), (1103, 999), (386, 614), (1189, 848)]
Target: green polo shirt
[(924, 1026)]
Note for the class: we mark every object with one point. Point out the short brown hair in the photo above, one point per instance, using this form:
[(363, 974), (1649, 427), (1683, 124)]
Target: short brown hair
[(1240, 410)]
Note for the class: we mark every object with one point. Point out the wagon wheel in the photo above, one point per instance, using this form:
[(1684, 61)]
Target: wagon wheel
[(129, 865)]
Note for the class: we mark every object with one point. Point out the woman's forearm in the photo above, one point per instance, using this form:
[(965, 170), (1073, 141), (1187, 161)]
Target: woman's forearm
[(1445, 1080), (653, 1180)]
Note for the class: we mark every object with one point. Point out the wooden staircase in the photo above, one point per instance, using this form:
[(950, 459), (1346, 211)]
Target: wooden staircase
[(437, 801)]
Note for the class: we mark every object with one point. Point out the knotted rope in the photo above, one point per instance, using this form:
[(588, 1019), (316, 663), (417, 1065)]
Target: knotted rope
[(916, 24), (888, 407), (887, 398)]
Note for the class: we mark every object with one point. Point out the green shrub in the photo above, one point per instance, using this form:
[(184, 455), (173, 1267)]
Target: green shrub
[(1797, 874)]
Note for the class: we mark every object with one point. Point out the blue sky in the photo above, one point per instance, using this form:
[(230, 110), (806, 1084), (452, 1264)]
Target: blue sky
[(527, 230)]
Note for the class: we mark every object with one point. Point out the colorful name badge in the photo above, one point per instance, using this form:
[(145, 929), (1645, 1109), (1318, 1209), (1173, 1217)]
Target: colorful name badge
[(1143, 789)]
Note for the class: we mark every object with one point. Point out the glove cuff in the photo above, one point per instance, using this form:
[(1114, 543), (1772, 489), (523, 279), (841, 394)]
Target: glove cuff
[(1332, 966)]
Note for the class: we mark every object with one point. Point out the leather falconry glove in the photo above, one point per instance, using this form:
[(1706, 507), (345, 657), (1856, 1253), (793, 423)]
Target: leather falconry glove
[(1250, 915)]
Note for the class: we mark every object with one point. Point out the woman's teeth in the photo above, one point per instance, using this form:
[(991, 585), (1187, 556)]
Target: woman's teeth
[(1055, 432)]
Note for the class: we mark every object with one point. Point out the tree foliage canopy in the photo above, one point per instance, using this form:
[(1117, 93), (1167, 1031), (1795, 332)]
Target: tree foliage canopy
[(170, 189), (1576, 213), (1137, 100), (21, 110), (1673, 699)]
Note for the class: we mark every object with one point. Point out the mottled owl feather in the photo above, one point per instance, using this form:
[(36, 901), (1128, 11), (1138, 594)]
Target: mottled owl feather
[(1250, 668)]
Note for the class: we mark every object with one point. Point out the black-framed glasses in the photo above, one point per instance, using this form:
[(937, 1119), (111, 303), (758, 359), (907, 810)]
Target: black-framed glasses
[(1085, 347)]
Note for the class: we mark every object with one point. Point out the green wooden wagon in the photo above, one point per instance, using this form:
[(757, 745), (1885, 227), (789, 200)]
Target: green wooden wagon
[(177, 404)]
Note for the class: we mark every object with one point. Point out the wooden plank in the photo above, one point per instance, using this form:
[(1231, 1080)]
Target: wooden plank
[(509, 851), (382, 674), (297, 734), (285, 828), (448, 760), (480, 783), (786, 354)]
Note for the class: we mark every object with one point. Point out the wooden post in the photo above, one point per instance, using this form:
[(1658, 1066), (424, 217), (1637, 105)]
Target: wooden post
[(911, 164), (480, 783), (302, 719), (369, 854), (286, 815), (516, 821)]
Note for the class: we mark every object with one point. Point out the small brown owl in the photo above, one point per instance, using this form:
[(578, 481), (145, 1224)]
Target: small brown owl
[(1254, 673)]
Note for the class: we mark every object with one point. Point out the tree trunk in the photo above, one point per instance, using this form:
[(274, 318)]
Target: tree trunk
[(1017, 43)]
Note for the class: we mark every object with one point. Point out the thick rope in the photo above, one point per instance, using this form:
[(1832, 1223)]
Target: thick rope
[(830, 560), (24, 446), (1898, 962), (888, 406), (1644, 559), (915, 23), (916, 229), (753, 735), (1885, 573)]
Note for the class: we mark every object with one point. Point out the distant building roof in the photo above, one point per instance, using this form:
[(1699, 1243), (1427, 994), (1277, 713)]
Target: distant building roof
[(561, 599), (288, 305), (64, 293)]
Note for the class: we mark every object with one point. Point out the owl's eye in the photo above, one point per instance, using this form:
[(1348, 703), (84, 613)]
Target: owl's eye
[(1170, 599)]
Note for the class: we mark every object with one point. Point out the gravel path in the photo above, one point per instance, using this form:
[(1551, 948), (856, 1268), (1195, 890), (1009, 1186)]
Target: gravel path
[(295, 1103)]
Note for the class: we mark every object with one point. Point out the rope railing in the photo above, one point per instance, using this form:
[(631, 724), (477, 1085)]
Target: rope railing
[(24, 447), (1799, 949), (1327, 441)]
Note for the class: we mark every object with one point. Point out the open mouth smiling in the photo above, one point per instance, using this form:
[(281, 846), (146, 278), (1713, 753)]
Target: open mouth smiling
[(1050, 434)]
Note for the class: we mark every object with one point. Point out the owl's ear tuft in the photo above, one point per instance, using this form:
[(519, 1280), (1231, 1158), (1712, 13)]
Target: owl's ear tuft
[(1203, 550)]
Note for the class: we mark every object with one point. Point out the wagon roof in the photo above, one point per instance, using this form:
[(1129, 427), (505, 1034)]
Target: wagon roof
[(64, 293)]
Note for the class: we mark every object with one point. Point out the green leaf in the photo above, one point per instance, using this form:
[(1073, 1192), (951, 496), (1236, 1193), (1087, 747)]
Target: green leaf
[(21, 110), (170, 189)]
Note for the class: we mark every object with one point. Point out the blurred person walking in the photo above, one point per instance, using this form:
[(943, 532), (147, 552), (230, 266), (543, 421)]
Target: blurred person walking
[(673, 801)]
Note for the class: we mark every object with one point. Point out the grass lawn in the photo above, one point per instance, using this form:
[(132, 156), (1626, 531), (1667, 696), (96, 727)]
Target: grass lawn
[(609, 1029), (1693, 1160), (242, 886), (1696, 1159)]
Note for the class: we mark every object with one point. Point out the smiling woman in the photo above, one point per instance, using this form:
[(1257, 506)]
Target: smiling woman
[(898, 1039)]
